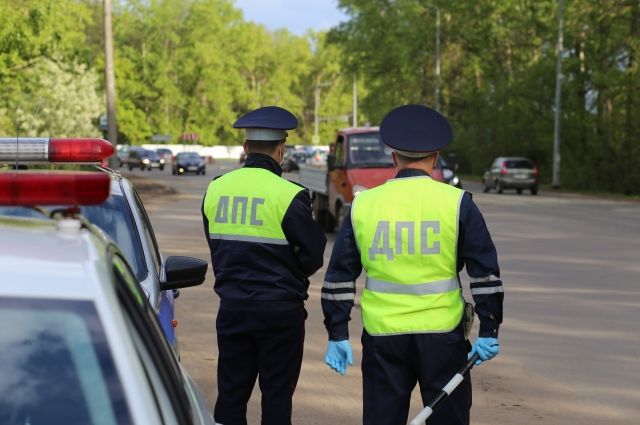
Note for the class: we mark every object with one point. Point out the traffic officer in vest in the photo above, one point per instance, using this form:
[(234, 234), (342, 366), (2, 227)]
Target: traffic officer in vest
[(412, 235), (264, 245)]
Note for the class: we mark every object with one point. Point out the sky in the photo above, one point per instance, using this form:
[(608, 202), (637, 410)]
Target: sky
[(297, 16)]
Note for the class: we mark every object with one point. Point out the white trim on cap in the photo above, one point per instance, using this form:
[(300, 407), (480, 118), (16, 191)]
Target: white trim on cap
[(266, 134), (408, 154)]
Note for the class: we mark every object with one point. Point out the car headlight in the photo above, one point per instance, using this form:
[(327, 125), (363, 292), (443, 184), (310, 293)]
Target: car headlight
[(145, 161), (454, 181), (357, 189), (161, 161)]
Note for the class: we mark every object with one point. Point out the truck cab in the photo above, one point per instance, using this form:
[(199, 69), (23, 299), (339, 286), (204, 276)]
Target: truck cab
[(357, 161)]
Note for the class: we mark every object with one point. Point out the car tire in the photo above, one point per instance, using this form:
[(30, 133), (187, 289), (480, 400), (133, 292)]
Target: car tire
[(162, 168), (130, 168), (534, 190), (519, 191), (486, 189), (500, 188)]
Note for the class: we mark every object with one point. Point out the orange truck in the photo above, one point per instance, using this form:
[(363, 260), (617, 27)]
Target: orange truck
[(357, 161)]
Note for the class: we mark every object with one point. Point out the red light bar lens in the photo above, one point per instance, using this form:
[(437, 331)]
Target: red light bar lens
[(51, 188), (79, 150)]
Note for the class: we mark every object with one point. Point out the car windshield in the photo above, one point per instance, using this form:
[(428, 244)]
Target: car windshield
[(366, 150), (112, 216), (189, 155), (519, 163), (150, 155), (56, 365)]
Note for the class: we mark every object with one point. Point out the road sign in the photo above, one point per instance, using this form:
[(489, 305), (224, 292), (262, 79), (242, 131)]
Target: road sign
[(161, 138), (189, 137)]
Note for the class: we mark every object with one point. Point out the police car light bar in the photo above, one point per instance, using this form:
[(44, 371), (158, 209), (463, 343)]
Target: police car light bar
[(28, 149), (26, 188)]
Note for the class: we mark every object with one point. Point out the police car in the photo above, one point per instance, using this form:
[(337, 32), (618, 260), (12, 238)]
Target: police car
[(80, 342), (122, 216)]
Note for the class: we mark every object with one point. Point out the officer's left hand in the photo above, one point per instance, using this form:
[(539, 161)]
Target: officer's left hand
[(338, 355), (487, 348)]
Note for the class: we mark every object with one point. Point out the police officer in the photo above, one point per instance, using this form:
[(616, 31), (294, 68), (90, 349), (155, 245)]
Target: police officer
[(413, 235), (264, 245)]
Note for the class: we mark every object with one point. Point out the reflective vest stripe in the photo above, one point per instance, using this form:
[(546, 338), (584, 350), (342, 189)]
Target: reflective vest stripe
[(484, 279), (339, 285), (427, 288), (484, 291), (338, 297), (244, 238)]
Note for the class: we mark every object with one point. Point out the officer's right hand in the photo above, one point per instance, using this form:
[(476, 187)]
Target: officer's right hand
[(487, 348), (338, 355)]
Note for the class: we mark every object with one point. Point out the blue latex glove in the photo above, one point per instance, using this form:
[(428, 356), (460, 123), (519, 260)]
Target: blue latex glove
[(487, 348), (338, 355)]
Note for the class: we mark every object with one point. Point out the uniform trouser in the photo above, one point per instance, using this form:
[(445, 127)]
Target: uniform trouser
[(267, 344), (391, 366)]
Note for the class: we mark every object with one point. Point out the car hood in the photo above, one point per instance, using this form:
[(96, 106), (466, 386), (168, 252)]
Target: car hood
[(370, 177)]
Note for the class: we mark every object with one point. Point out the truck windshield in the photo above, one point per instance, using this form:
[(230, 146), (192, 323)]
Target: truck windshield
[(366, 150)]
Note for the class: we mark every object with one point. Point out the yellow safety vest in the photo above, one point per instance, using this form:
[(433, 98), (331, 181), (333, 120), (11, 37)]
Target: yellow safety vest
[(407, 234), (248, 205)]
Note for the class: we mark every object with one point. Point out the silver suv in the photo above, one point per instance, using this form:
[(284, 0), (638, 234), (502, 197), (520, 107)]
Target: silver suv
[(511, 172)]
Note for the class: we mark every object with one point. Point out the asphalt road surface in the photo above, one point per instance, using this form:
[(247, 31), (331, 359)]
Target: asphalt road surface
[(570, 339)]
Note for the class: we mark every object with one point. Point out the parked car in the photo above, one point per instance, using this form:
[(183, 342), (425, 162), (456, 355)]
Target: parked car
[(165, 154), (123, 218), (81, 343), (188, 162), (511, 173), (144, 159), (293, 159)]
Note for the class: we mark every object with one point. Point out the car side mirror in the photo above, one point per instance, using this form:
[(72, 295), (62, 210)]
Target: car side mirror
[(182, 272), (331, 162)]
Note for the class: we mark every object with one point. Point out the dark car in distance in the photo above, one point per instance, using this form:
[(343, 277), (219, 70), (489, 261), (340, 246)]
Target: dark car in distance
[(293, 159), (188, 162), (511, 173), (144, 159)]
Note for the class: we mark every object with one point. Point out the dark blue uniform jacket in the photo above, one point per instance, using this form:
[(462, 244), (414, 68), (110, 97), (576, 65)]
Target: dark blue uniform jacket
[(262, 276), (475, 251)]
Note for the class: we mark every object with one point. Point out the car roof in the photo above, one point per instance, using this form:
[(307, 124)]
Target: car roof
[(39, 259)]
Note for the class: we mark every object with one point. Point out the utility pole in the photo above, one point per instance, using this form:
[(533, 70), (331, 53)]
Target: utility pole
[(437, 59), (112, 126), (316, 110), (556, 130), (355, 101)]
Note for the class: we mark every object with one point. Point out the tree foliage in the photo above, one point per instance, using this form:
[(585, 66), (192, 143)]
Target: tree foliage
[(194, 66), (498, 78)]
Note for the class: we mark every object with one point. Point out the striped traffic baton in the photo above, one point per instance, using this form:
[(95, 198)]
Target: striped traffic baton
[(447, 390)]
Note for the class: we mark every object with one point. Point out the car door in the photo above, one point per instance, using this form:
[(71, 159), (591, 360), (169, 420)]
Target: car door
[(174, 394), (165, 305)]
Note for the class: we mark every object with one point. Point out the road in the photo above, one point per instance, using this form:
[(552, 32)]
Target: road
[(570, 338)]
